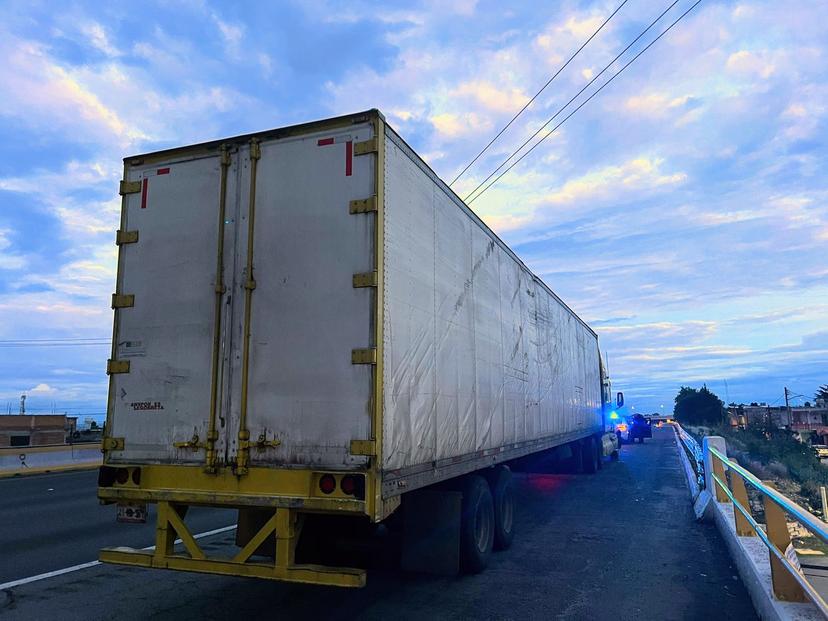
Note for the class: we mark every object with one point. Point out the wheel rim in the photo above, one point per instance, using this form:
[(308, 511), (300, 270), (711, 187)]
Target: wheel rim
[(483, 527)]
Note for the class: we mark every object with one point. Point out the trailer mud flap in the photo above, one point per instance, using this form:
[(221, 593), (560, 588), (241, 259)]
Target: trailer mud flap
[(431, 535)]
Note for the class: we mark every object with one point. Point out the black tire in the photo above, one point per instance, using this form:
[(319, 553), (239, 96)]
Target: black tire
[(476, 525), (503, 497), (599, 452), (589, 456)]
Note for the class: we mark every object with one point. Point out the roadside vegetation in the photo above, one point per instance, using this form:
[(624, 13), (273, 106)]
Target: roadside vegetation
[(770, 453)]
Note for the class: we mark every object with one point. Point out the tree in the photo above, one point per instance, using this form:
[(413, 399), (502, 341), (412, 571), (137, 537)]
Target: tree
[(822, 393), (698, 407)]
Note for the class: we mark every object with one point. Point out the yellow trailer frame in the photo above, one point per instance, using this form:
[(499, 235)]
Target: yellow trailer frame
[(284, 525)]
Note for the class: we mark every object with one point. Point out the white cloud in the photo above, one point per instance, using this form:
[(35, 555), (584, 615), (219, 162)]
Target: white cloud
[(266, 63), (98, 38), (454, 125), (654, 104), (751, 63), (9, 260), (641, 173), (42, 389), (583, 27), (232, 33), (492, 97), (465, 8)]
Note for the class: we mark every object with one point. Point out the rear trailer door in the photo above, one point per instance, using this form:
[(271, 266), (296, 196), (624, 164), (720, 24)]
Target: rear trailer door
[(302, 399), (162, 378)]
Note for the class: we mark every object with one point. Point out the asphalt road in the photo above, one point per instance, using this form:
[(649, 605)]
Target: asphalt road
[(52, 521), (621, 544)]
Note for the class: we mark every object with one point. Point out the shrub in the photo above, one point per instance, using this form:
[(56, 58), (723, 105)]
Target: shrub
[(778, 469)]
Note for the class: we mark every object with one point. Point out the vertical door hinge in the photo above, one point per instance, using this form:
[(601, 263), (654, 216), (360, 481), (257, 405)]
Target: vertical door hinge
[(367, 279), (363, 447), (117, 366), (364, 356), (363, 205), (126, 237), (123, 300), (366, 146), (129, 187)]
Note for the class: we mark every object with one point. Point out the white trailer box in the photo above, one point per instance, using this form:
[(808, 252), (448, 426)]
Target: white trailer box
[(314, 300)]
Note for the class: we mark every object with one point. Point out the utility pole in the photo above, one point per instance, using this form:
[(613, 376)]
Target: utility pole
[(788, 408)]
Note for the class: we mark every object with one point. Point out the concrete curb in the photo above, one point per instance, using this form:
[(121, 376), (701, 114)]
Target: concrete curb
[(749, 554), (23, 472), (751, 558)]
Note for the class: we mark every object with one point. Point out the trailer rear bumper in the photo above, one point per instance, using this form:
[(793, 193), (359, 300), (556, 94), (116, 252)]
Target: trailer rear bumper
[(232, 500), (261, 487), (282, 529), (308, 574)]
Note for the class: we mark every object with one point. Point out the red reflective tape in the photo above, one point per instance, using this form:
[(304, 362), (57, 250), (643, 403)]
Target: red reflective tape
[(349, 158), (144, 187), (323, 142), (162, 171)]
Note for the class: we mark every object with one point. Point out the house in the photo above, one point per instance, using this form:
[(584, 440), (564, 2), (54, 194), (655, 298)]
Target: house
[(809, 422), (35, 430)]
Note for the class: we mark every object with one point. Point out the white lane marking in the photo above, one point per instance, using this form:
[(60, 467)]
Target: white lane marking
[(68, 570)]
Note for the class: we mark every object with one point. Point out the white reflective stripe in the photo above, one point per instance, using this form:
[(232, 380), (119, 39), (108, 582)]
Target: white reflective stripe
[(49, 574), (68, 570)]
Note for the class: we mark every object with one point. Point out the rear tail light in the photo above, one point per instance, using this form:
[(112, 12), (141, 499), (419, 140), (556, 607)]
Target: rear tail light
[(106, 476), (109, 475), (353, 485), (327, 483), (348, 485)]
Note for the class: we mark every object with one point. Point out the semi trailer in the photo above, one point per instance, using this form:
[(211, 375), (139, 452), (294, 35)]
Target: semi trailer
[(312, 329)]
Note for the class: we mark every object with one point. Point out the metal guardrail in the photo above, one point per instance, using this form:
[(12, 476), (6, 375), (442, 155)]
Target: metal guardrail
[(695, 451), (789, 583)]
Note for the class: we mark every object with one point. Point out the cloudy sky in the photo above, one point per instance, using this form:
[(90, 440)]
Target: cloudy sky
[(683, 212)]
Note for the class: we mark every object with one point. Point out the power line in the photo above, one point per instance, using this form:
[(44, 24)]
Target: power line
[(543, 88), (100, 338), (551, 131), (56, 344), (574, 97)]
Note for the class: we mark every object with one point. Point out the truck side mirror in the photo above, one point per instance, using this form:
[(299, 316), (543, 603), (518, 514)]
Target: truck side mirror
[(619, 400)]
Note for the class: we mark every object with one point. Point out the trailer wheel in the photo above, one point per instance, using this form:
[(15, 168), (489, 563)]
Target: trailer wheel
[(589, 456), (503, 497), (476, 525), (599, 452)]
